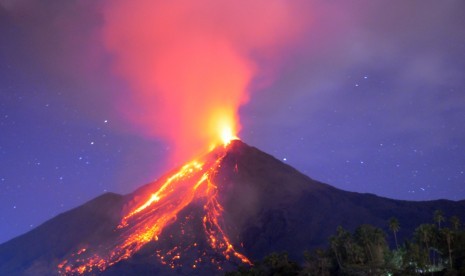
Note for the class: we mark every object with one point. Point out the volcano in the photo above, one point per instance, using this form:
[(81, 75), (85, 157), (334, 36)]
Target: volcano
[(230, 207)]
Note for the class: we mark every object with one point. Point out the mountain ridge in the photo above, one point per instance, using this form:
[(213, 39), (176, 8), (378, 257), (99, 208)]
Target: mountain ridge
[(268, 206)]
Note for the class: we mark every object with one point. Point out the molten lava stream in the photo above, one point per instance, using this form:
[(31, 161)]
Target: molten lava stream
[(146, 221)]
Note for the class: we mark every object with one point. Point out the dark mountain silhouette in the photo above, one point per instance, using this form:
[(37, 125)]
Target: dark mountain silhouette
[(268, 206)]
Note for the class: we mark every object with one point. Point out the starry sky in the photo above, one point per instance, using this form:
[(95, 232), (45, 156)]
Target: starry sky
[(370, 98)]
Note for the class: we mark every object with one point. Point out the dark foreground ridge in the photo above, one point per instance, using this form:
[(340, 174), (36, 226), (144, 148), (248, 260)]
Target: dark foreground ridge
[(268, 207)]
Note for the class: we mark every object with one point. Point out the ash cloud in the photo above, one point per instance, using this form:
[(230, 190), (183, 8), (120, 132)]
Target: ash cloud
[(190, 64), (410, 51)]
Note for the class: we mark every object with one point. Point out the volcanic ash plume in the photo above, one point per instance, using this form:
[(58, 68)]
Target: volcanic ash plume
[(190, 63)]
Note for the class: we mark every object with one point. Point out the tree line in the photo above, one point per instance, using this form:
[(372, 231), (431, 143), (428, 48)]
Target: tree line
[(436, 248)]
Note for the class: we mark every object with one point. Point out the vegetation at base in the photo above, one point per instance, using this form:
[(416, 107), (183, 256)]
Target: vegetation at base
[(437, 248)]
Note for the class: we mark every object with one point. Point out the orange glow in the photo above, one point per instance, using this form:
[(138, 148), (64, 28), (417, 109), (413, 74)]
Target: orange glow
[(146, 220), (190, 64), (227, 135), (225, 129)]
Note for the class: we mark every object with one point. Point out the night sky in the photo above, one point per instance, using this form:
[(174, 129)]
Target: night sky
[(369, 97)]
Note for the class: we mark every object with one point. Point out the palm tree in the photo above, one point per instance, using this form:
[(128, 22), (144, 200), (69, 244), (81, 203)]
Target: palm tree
[(455, 221), (424, 233), (380, 245), (438, 217), (364, 238), (345, 249), (394, 227), (448, 235), (337, 245), (373, 241)]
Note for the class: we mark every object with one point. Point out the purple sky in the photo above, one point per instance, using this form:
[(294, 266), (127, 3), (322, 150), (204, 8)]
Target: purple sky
[(371, 99)]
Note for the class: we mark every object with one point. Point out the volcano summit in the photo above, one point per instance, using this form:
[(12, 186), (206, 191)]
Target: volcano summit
[(230, 207)]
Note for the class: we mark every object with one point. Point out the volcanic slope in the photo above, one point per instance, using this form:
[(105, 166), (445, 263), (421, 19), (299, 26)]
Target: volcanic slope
[(237, 204)]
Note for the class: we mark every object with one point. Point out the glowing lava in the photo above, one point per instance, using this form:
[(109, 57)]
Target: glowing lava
[(227, 136), (147, 219)]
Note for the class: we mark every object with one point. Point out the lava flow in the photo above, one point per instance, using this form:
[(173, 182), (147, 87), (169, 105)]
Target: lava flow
[(145, 222)]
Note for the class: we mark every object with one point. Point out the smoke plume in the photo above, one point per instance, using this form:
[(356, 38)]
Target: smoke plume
[(190, 63)]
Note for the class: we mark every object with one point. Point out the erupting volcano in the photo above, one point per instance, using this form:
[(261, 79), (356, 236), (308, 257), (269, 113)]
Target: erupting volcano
[(229, 207), (189, 67), (150, 213)]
